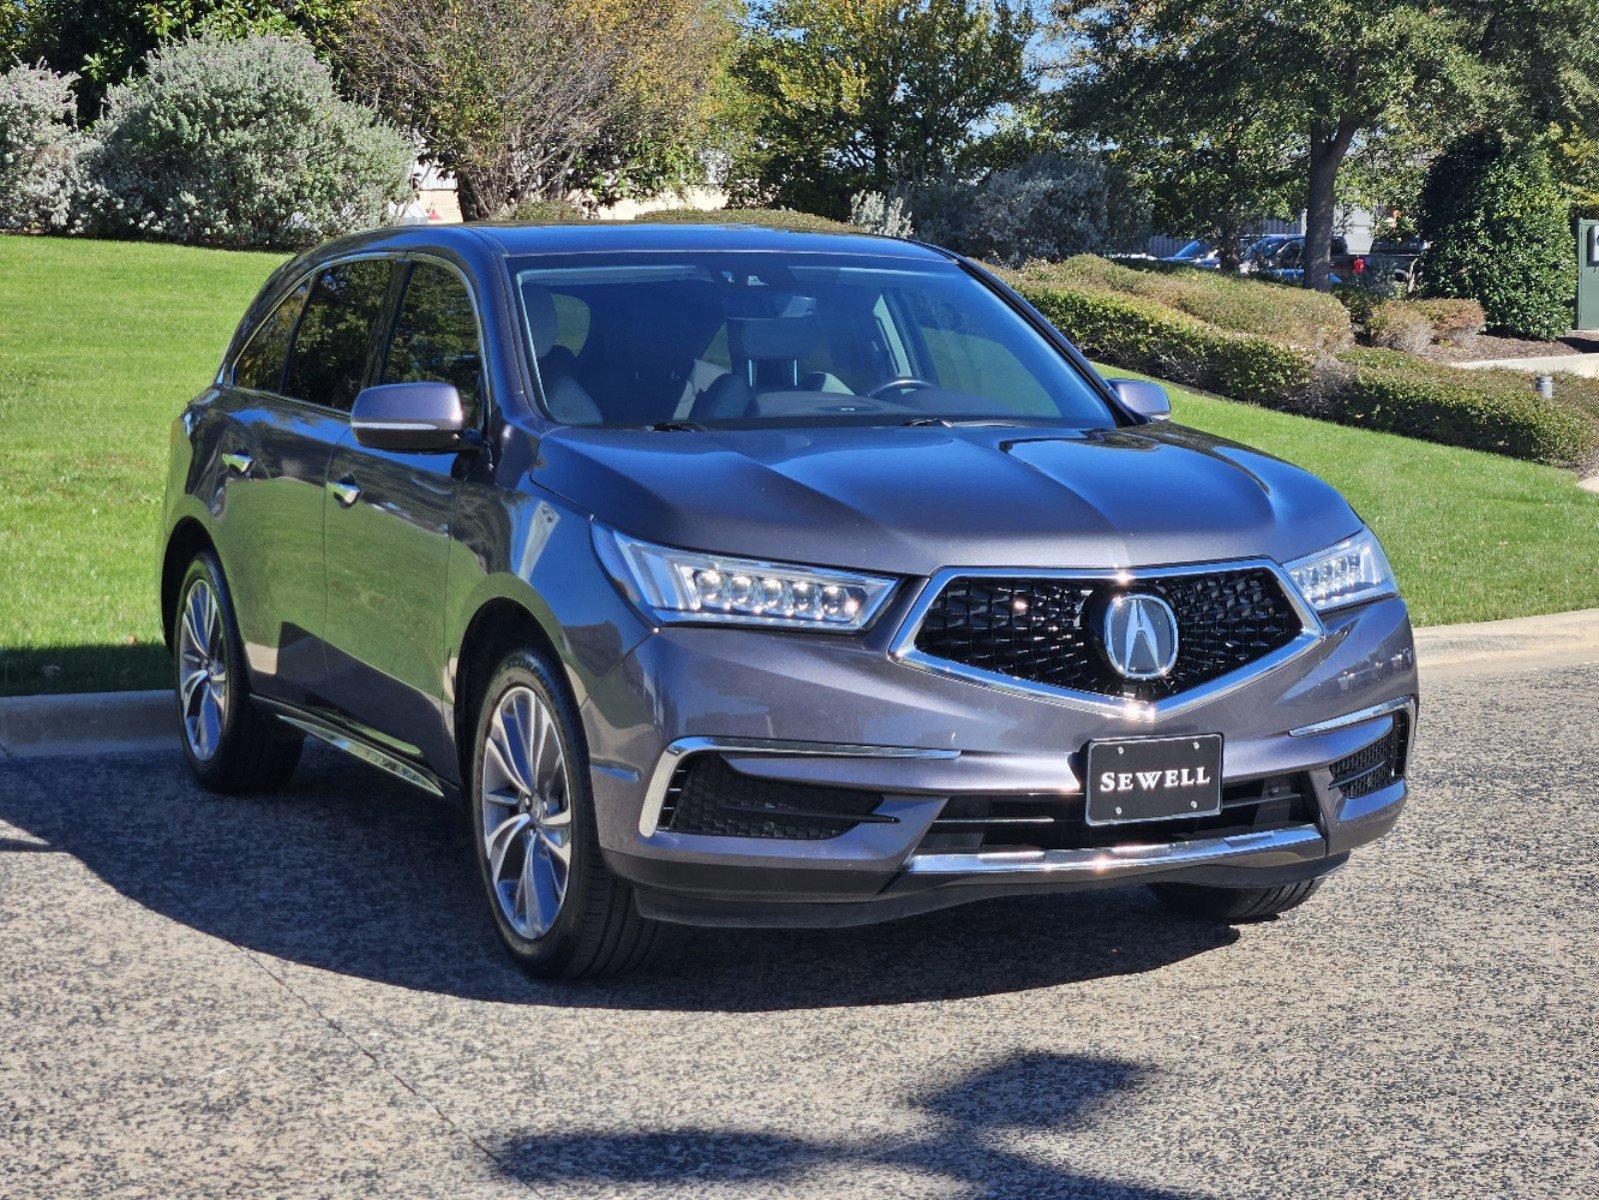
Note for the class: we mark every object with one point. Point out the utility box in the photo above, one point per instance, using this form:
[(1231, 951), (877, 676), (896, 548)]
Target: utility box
[(1588, 274)]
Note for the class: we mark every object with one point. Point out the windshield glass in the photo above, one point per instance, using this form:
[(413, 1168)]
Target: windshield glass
[(762, 339)]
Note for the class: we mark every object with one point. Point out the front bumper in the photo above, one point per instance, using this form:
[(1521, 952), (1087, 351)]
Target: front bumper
[(841, 712)]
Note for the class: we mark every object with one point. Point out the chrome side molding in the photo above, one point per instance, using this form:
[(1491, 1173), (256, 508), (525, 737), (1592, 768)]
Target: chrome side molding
[(666, 766), (342, 739), (1302, 841)]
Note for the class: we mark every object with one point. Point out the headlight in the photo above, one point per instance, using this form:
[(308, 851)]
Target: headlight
[(686, 585), (1353, 571)]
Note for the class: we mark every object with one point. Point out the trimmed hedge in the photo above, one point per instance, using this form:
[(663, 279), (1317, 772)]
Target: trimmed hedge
[(1483, 410), (1295, 315), (1497, 411), (1149, 337)]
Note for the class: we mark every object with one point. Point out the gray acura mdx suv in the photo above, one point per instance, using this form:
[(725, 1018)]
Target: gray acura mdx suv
[(743, 577)]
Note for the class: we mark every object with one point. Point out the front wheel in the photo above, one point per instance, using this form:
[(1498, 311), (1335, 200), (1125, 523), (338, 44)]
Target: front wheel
[(556, 906), (1234, 906)]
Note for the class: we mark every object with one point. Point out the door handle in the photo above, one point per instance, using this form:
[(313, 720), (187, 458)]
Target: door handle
[(239, 464), (346, 491)]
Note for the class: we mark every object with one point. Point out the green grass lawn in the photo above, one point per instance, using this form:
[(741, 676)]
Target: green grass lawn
[(101, 344)]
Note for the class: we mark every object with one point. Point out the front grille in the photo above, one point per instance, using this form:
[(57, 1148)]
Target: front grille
[(972, 823), (708, 796), (1375, 767), (1042, 629)]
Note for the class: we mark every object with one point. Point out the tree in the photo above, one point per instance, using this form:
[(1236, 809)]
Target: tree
[(1339, 76), (530, 99), (1214, 185), (1325, 72), (865, 95)]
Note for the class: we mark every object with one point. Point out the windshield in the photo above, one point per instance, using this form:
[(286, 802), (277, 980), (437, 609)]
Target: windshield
[(763, 339), (1194, 250)]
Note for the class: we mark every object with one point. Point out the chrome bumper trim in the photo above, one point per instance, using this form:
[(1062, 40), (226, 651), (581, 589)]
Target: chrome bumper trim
[(1401, 704), (1118, 860), (661, 778)]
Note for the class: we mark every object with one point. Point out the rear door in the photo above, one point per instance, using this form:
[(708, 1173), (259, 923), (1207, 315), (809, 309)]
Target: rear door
[(293, 433), (275, 453), (388, 531)]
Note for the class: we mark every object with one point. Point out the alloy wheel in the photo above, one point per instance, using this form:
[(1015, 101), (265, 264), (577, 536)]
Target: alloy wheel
[(527, 812), (203, 671)]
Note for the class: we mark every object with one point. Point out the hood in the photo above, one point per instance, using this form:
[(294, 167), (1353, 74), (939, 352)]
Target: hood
[(908, 501)]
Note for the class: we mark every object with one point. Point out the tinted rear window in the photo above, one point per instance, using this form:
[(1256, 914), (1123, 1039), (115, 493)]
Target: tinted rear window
[(330, 348)]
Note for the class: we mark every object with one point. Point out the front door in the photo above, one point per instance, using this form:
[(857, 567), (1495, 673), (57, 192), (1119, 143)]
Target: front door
[(388, 532), (1588, 275)]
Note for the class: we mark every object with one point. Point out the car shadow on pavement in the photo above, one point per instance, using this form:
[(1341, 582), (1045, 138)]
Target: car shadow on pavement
[(349, 871), (970, 1139)]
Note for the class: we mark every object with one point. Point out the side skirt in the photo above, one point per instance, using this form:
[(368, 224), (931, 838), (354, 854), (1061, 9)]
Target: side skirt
[(330, 731)]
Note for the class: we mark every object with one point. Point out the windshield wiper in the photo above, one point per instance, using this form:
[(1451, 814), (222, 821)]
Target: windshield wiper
[(675, 427), (928, 421)]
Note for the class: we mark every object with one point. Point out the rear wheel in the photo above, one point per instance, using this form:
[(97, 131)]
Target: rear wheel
[(1235, 906), (230, 745), (558, 909)]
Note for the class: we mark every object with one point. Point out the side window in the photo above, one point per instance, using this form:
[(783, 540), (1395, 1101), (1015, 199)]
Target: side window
[(329, 357), (260, 364), (436, 336)]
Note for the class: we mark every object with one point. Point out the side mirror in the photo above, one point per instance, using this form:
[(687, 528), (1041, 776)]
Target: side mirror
[(409, 417), (1145, 399)]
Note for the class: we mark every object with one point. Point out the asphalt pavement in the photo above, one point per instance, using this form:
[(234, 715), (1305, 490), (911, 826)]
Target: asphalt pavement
[(301, 995)]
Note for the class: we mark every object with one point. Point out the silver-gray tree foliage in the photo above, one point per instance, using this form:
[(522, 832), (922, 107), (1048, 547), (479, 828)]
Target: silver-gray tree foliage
[(242, 144), (40, 150)]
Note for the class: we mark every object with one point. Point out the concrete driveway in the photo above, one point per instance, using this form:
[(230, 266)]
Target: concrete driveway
[(300, 995)]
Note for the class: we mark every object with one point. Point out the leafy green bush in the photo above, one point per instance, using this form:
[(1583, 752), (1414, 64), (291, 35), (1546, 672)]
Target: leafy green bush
[(240, 144), (40, 149), (1135, 332), (773, 218), (1484, 410), (1398, 326), (1310, 320), (1499, 233), (1360, 301), (1457, 322)]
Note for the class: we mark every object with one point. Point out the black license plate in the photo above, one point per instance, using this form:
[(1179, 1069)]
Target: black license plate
[(1153, 779)]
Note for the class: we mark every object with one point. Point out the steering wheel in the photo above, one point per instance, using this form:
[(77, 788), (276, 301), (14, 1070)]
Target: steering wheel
[(900, 383)]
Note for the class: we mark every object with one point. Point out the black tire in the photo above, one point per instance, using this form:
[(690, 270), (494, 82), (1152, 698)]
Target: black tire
[(1233, 906), (598, 931), (255, 752)]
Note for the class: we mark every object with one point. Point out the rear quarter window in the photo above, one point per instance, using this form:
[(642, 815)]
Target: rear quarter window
[(260, 364)]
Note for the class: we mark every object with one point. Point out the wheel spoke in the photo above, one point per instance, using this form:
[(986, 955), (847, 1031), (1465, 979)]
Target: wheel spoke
[(498, 752), (186, 690), (500, 839)]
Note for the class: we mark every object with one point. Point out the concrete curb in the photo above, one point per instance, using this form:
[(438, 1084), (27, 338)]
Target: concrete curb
[(92, 723), (1519, 644), (130, 722)]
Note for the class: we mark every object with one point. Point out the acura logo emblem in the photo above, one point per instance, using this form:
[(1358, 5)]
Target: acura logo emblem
[(1139, 633)]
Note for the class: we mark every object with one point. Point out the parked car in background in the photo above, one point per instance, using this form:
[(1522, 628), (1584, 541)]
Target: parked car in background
[(1390, 264), (734, 576), (1197, 253), (1284, 260)]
